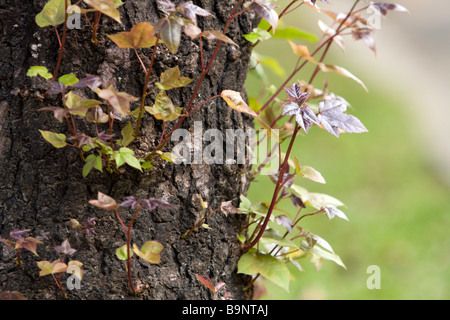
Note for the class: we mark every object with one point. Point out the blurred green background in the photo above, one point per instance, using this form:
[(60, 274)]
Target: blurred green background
[(393, 179)]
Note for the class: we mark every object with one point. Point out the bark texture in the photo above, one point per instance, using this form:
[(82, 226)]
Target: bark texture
[(42, 188)]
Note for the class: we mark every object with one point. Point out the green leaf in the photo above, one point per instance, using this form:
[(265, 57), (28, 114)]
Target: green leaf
[(172, 78), (328, 256), (272, 64), (108, 7), (268, 266), (288, 33), (77, 105), (58, 140), (92, 161), (147, 165), (272, 236), (53, 13), (127, 135), (257, 34), (125, 155), (245, 204), (39, 70), (121, 253), (291, 33), (51, 267), (68, 79), (150, 251), (311, 174), (314, 199)]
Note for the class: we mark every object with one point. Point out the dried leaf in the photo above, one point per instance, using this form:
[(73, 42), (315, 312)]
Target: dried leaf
[(108, 7), (29, 243), (141, 35), (171, 79), (227, 208), (119, 100), (12, 295), (164, 109), (206, 281), (216, 35), (341, 71), (105, 202), (234, 100)]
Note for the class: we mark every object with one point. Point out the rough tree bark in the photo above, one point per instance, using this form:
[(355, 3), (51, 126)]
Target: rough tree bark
[(41, 187)]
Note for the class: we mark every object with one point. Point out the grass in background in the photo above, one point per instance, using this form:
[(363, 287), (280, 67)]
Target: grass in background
[(399, 214)]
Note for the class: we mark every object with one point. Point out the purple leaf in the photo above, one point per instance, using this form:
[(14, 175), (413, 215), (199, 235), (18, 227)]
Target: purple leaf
[(191, 11), (295, 94), (332, 118), (265, 10), (152, 204), (166, 6), (130, 201), (89, 81), (332, 211), (384, 8), (58, 113), (103, 136), (285, 222), (365, 34), (17, 234), (170, 32), (55, 87), (83, 139), (303, 115), (65, 248)]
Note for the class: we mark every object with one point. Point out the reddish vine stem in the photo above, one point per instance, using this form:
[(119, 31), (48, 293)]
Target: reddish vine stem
[(278, 186), (130, 280), (197, 87), (144, 93), (277, 190), (62, 42)]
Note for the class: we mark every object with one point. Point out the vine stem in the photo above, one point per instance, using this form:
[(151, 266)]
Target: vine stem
[(278, 186), (144, 92), (58, 283), (128, 248), (61, 43), (275, 193), (197, 87)]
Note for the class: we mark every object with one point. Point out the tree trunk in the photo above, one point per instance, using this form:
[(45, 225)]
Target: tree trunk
[(42, 188)]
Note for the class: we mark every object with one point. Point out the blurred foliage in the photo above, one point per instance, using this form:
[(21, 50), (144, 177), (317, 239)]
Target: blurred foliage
[(399, 213)]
